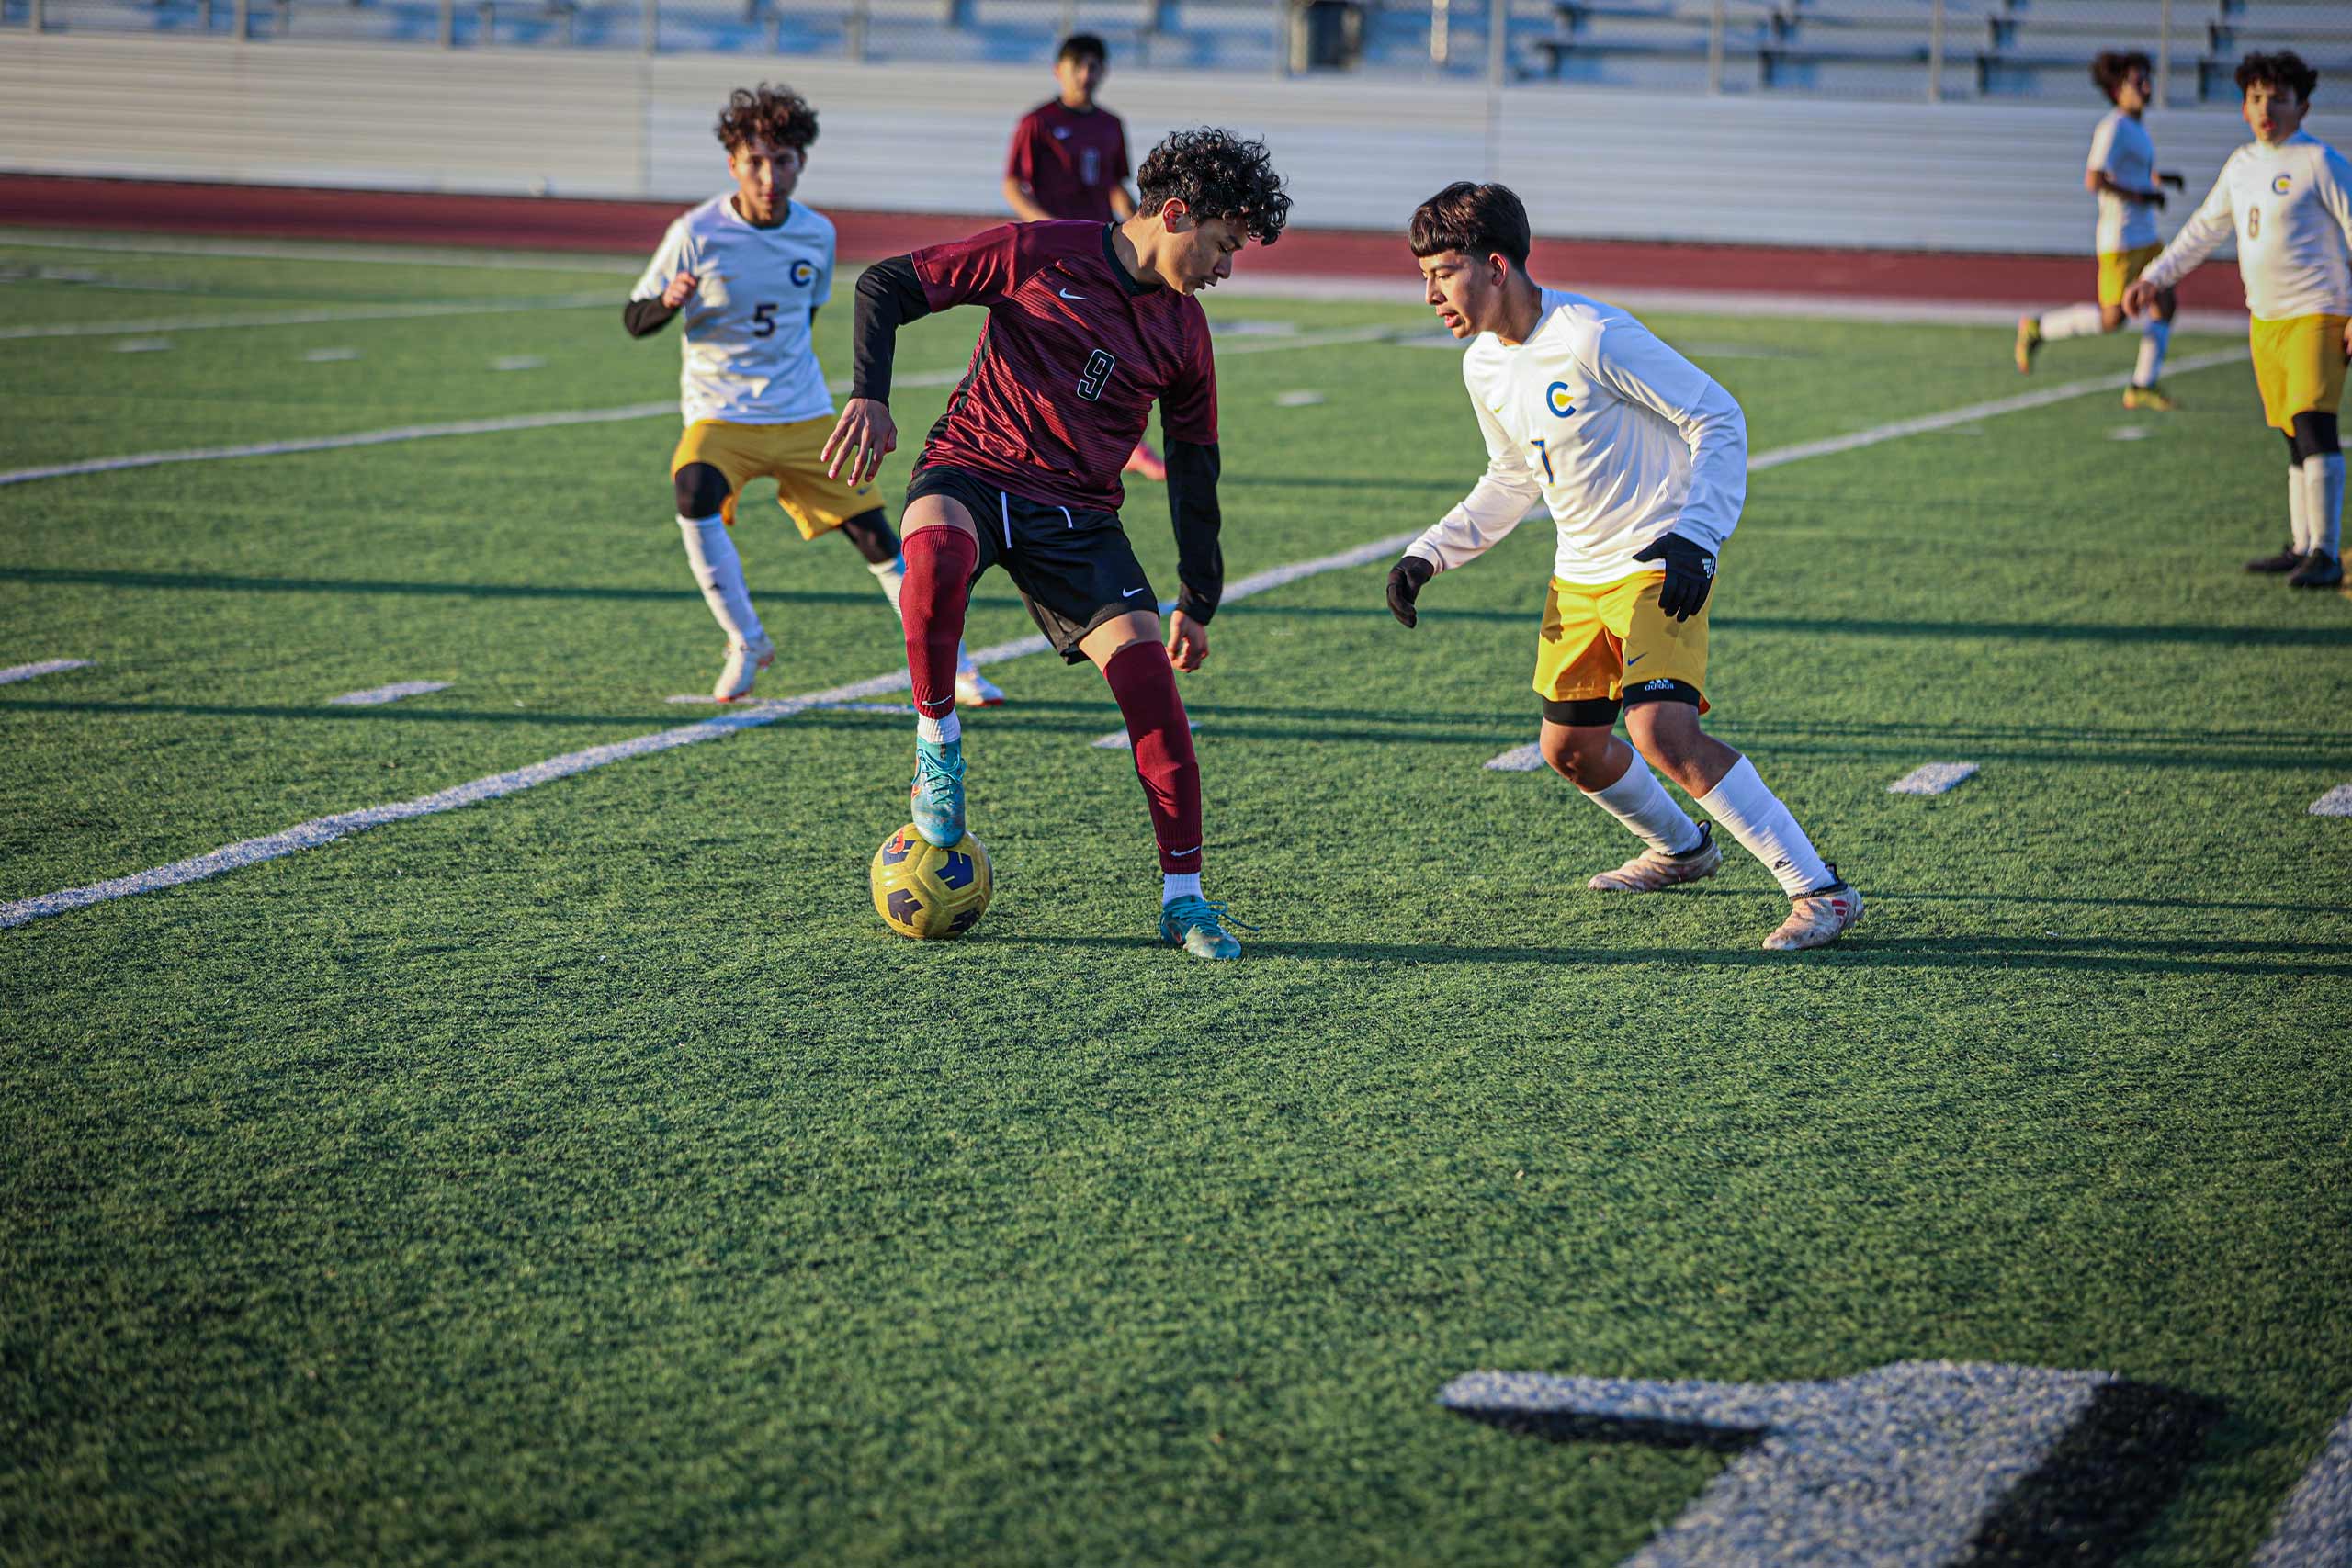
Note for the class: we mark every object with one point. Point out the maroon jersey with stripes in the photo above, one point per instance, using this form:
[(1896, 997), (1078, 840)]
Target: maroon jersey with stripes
[(1075, 352), (1070, 161)]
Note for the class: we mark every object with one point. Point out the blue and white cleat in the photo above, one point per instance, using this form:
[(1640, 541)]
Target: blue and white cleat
[(1196, 925), (938, 794)]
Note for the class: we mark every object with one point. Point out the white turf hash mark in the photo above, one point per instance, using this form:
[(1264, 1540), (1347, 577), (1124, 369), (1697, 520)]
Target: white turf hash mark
[(1524, 759), (375, 696), (2128, 432), (1933, 778), (331, 356), (326, 829), (1298, 400), (2315, 1524), (519, 362), (2336, 802), (143, 345), (46, 667), (1120, 740)]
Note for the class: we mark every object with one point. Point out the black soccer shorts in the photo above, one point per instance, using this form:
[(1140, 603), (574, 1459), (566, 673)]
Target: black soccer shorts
[(1073, 568)]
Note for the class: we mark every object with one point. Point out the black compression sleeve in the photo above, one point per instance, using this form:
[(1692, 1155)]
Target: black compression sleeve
[(888, 296), (643, 318), (1192, 468)]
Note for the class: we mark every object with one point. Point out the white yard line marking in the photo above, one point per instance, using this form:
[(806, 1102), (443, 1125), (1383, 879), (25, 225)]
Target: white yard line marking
[(537, 420), (331, 356), (2336, 802), (375, 696), (421, 311), (705, 700), (389, 256), (2315, 1525), (1524, 759), (325, 829), (519, 362), (46, 667), (1120, 740), (1933, 778), (143, 345), (1298, 400)]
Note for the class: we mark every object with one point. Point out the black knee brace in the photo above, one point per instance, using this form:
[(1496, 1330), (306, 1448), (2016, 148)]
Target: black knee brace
[(701, 490), (2314, 436), (872, 533)]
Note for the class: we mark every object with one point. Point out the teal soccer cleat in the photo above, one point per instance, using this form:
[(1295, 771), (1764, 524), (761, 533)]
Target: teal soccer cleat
[(1195, 924), (938, 794)]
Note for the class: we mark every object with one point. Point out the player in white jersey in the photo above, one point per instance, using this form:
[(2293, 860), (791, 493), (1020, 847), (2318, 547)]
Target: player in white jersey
[(1642, 460), (2123, 174), (750, 269), (2287, 198)]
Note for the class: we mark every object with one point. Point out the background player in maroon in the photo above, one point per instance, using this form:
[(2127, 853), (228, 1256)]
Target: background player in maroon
[(1089, 325), (1069, 159)]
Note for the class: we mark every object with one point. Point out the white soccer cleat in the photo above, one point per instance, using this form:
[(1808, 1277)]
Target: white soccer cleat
[(1653, 871), (744, 662), (1818, 918), (974, 689)]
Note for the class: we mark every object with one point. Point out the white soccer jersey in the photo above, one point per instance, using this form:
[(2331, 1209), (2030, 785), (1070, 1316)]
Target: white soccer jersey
[(1621, 437), (2288, 208), (749, 357), (2123, 147)]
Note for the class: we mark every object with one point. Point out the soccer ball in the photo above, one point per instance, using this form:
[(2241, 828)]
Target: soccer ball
[(925, 892)]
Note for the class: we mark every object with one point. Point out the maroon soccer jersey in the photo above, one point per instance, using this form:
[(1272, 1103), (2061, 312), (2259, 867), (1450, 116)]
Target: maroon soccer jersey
[(1069, 161), (1074, 355)]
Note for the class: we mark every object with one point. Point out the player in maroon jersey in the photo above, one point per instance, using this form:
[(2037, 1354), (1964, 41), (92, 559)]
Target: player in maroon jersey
[(1089, 325), (1069, 159)]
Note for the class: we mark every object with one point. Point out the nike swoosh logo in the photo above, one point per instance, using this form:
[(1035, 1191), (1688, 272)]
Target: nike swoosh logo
[(1068, 295), (1131, 592), (1636, 659)]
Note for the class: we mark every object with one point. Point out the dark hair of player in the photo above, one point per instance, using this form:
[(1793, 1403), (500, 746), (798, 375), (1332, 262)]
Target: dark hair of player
[(1082, 45), (1216, 174), (2281, 72), (777, 115), (1477, 221), (2114, 64)]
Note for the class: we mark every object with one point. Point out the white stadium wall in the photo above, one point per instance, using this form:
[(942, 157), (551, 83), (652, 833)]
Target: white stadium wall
[(1359, 151)]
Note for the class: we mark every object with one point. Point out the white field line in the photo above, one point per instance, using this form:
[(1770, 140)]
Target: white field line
[(546, 421), (1932, 778), (423, 308), (1524, 759), (376, 696), (1120, 740), (705, 700), (143, 345), (262, 250), (326, 829), (15, 672), (2315, 1525), (2336, 802)]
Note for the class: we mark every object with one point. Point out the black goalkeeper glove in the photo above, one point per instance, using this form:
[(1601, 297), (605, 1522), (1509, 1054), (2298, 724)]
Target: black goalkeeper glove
[(1690, 573), (1406, 580)]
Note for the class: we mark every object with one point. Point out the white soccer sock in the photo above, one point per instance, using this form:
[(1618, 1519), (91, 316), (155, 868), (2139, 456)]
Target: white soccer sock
[(1175, 884), (721, 571), (938, 731), (2154, 337), (2298, 510), (1641, 803), (2323, 501), (892, 575), (2072, 320), (1765, 830)]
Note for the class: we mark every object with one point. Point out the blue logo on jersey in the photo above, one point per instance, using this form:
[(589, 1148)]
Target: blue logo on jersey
[(1557, 394), (804, 272), (2280, 185)]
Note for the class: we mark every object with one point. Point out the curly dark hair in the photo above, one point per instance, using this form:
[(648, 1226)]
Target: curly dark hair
[(776, 115), (2281, 72), (1216, 174), (2112, 66), (1478, 221)]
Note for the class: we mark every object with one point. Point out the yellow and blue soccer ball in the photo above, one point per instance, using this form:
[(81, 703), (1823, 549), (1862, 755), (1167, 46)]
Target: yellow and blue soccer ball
[(927, 893)]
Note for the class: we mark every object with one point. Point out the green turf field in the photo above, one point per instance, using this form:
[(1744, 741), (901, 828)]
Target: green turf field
[(588, 1176)]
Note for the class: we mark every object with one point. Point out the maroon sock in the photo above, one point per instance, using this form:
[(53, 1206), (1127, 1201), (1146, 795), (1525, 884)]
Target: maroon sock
[(939, 577), (1145, 684)]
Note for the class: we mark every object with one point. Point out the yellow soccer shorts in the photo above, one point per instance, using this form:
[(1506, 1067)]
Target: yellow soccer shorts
[(786, 453), (1600, 642), (2298, 365), (2119, 269)]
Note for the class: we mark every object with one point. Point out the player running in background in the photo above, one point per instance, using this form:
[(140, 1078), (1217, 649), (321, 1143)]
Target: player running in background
[(1642, 459), (1089, 324), (1069, 159), (2123, 174), (2288, 197), (749, 269)]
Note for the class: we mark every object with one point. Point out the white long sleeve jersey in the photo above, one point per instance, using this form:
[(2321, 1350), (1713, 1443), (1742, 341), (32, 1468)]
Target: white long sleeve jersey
[(2290, 208), (1621, 438)]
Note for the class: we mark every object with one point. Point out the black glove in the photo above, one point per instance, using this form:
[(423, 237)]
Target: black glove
[(1690, 573), (1406, 580)]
